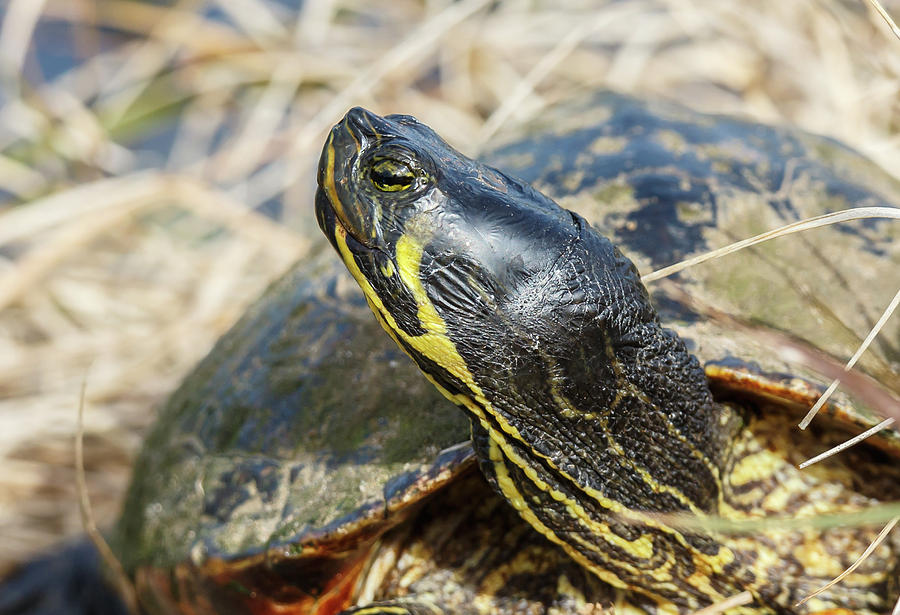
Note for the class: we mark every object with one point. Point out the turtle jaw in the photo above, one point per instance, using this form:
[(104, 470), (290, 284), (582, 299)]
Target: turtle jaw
[(328, 221), (338, 200)]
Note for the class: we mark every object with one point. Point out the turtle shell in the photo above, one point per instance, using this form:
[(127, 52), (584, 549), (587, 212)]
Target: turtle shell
[(306, 434), (666, 184), (303, 435)]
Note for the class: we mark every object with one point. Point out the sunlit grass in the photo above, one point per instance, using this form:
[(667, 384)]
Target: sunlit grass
[(151, 189)]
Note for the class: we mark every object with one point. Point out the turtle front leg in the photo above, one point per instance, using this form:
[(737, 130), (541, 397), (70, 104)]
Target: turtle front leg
[(397, 607)]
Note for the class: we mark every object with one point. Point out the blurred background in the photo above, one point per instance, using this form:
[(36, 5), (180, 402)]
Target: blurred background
[(157, 166)]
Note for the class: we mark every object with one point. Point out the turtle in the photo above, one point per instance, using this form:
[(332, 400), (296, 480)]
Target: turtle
[(307, 466)]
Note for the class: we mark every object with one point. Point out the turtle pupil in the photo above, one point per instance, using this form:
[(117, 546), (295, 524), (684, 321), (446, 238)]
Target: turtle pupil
[(392, 175)]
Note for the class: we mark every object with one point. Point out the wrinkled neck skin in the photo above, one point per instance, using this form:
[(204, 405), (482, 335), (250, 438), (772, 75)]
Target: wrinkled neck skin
[(580, 378), (585, 409)]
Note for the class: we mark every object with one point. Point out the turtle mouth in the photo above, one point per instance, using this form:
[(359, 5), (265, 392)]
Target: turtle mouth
[(335, 206), (338, 189), (335, 230)]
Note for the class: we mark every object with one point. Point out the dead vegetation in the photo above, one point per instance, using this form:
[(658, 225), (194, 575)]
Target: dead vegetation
[(156, 166)]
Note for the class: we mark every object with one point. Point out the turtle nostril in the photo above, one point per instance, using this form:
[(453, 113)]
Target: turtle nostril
[(357, 115), (367, 124), (358, 120)]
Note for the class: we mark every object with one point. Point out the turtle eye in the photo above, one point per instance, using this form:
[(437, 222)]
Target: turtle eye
[(390, 175)]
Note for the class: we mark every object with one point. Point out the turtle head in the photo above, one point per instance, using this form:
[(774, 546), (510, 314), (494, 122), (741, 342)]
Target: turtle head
[(371, 172), (440, 242), (389, 183), (582, 405)]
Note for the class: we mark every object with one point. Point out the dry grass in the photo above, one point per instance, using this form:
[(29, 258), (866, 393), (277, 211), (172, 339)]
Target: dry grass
[(136, 183)]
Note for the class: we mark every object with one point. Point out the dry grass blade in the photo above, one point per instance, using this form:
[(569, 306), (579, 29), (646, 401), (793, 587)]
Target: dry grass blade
[(40, 261), (85, 199), (878, 540), (847, 444), (731, 602), (823, 399), (15, 35), (843, 215), (315, 20), (896, 610), (873, 333), (886, 17), (231, 104), (866, 389), (403, 53), (262, 124), (147, 59), (255, 18), (19, 179), (102, 215), (123, 583), (207, 37), (544, 67), (213, 204), (793, 351), (714, 524), (81, 135)]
